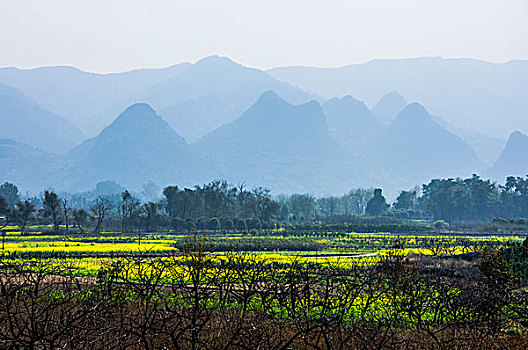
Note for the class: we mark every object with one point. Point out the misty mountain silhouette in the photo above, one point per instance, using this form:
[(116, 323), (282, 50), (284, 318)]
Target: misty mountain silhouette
[(389, 106), (212, 92), (139, 146), (415, 146), (32, 168), (513, 161), (22, 120), (277, 139), (489, 98), (352, 124), (285, 147), (86, 99)]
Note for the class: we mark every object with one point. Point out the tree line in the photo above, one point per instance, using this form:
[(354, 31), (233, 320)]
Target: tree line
[(220, 206), (470, 199)]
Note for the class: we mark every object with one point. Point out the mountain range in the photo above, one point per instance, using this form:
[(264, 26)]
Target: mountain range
[(216, 119), (352, 124), (84, 97), (289, 146), (23, 120), (415, 147), (138, 147), (513, 161), (185, 94), (488, 98)]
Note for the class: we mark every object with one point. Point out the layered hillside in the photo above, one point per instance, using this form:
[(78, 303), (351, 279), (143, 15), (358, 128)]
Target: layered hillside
[(513, 161), (24, 121), (488, 98), (89, 100), (212, 92), (284, 147), (416, 148), (30, 168), (138, 147), (352, 124)]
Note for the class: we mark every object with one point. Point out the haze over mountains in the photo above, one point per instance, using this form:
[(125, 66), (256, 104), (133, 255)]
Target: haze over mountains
[(485, 97), (216, 119), (513, 160), (414, 145), (352, 124), (138, 147), (186, 94), (212, 92), (389, 106), (30, 168), (289, 146), (23, 120), (83, 97)]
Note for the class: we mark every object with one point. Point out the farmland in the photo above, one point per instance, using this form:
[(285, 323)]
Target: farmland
[(325, 290), (222, 267), (41, 244)]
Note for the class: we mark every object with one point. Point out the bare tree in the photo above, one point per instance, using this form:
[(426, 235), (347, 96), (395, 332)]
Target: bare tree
[(100, 209), (66, 210), (80, 219), (128, 210)]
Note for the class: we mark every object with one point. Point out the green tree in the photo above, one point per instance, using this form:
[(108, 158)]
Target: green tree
[(171, 197), (10, 194), (5, 212), (4, 207), (23, 213), (150, 215), (213, 225), (406, 200), (377, 205)]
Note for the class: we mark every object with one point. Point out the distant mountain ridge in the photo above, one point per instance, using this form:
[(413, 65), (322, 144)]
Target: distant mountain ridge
[(193, 98), (81, 96), (352, 124), (513, 161), (218, 119), (212, 92), (488, 98), (285, 147), (415, 147), (23, 120), (138, 147), (30, 168), (275, 144), (389, 106)]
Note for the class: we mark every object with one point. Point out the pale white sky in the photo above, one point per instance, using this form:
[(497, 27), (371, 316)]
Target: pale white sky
[(117, 35)]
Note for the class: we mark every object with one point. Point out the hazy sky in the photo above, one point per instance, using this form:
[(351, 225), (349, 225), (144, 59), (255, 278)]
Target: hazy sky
[(108, 35)]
